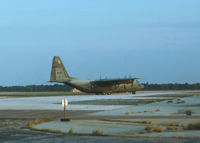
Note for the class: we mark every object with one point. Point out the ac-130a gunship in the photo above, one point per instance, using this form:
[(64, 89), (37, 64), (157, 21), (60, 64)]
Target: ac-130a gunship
[(101, 86)]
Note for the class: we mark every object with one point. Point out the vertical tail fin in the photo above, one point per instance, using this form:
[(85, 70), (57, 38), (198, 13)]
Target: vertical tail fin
[(58, 71)]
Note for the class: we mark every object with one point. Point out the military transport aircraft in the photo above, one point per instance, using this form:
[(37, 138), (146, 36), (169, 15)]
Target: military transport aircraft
[(102, 86)]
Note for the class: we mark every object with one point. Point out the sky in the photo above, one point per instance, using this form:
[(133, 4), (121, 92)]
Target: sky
[(157, 41)]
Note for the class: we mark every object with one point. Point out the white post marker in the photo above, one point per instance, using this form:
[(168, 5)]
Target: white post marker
[(64, 104)]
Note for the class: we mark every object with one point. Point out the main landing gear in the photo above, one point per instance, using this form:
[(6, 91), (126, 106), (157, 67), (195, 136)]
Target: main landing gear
[(107, 93), (133, 92)]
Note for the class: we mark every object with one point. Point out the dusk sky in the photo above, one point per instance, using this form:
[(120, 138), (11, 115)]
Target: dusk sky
[(157, 41)]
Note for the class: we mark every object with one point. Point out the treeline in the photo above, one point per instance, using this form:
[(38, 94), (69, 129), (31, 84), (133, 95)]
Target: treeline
[(172, 86), (36, 88), (57, 87)]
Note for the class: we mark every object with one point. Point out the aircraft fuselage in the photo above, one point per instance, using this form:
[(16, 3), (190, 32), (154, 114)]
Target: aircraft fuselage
[(89, 87)]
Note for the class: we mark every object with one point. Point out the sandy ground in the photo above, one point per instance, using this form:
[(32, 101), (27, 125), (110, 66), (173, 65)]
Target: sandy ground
[(20, 136), (115, 115), (38, 114)]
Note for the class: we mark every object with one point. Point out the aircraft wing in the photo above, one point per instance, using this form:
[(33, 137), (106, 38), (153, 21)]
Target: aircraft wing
[(110, 82)]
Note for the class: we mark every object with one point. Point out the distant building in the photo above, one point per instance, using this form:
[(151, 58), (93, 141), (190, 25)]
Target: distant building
[(76, 90)]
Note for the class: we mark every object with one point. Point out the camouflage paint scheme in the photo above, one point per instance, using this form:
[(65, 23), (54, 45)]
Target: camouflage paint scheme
[(102, 86)]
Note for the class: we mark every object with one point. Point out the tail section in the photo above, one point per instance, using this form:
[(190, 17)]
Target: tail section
[(58, 71)]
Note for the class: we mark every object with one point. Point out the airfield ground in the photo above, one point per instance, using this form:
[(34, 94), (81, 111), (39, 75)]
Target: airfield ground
[(145, 117)]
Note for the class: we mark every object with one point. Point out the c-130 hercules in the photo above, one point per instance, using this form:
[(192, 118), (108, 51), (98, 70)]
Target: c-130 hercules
[(102, 86)]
